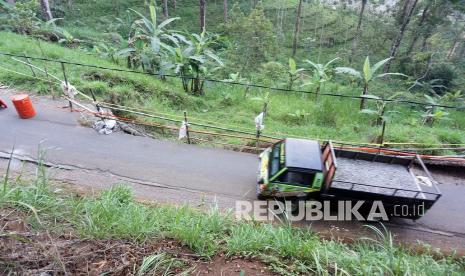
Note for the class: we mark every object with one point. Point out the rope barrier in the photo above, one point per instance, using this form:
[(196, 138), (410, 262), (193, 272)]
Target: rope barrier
[(399, 153), (234, 83), (109, 105)]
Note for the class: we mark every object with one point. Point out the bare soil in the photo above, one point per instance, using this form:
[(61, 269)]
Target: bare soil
[(24, 251)]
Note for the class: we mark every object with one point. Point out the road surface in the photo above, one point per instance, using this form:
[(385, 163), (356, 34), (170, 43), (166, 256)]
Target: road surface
[(173, 172)]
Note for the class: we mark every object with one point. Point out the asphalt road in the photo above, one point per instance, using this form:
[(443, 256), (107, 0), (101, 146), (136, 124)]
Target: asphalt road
[(180, 173)]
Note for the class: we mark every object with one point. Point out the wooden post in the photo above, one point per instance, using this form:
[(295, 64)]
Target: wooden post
[(67, 84), (187, 128), (265, 109), (259, 131), (95, 100), (382, 133), (246, 92)]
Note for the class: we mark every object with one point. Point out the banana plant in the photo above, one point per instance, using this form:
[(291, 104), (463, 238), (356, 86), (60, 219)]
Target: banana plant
[(202, 54), (321, 74), (149, 41), (433, 113), (192, 61), (113, 53), (61, 35), (380, 112), (367, 75), (294, 73)]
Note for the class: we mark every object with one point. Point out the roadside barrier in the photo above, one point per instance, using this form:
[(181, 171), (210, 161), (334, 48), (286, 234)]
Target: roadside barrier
[(23, 106)]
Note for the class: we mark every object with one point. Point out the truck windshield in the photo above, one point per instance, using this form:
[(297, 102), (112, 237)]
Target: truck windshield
[(275, 159), (298, 178)]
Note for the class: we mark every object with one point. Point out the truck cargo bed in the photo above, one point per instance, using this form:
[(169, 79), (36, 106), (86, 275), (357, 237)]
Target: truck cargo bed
[(369, 176), (381, 177)]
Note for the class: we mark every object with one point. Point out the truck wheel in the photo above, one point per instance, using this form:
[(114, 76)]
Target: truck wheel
[(259, 194)]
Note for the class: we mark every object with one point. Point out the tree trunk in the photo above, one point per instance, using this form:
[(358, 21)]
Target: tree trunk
[(358, 32), (174, 4), (202, 16), (46, 9), (453, 49), (365, 91), (12, 2), (455, 45), (297, 28), (409, 8), (225, 10), (417, 33), (424, 43), (165, 9)]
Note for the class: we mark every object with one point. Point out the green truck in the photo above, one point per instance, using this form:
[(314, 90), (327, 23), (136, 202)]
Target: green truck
[(299, 169)]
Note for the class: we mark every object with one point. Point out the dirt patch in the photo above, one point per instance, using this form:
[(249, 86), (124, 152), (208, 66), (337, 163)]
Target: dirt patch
[(24, 251), (221, 265)]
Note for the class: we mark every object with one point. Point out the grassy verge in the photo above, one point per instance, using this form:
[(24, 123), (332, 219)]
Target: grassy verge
[(289, 114), (114, 214)]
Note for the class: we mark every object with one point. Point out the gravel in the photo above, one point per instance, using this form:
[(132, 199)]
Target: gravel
[(381, 175)]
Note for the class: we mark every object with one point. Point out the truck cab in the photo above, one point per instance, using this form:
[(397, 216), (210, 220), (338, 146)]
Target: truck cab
[(291, 168)]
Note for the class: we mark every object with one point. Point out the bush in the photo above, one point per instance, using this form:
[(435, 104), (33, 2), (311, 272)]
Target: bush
[(272, 73), (21, 17), (254, 38), (443, 72)]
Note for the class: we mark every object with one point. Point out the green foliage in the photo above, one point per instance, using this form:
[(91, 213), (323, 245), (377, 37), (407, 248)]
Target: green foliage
[(433, 113), (380, 112), (161, 264), (444, 74), (298, 116), (321, 73), (294, 73), (272, 73), (193, 60), (330, 118), (21, 17), (367, 75), (257, 30), (149, 41)]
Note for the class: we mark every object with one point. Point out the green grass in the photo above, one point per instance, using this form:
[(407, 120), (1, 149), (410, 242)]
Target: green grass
[(329, 118), (115, 214)]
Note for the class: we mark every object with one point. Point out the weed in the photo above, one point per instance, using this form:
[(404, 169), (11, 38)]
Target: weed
[(288, 250)]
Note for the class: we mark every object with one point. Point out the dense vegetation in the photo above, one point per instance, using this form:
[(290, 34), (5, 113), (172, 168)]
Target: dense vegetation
[(114, 214), (337, 51)]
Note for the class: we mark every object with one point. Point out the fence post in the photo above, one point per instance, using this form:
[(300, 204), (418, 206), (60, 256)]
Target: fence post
[(246, 92), (66, 83), (95, 100), (259, 130), (187, 128), (383, 130)]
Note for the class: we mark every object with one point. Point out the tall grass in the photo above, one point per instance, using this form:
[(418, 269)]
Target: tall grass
[(115, 214)]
